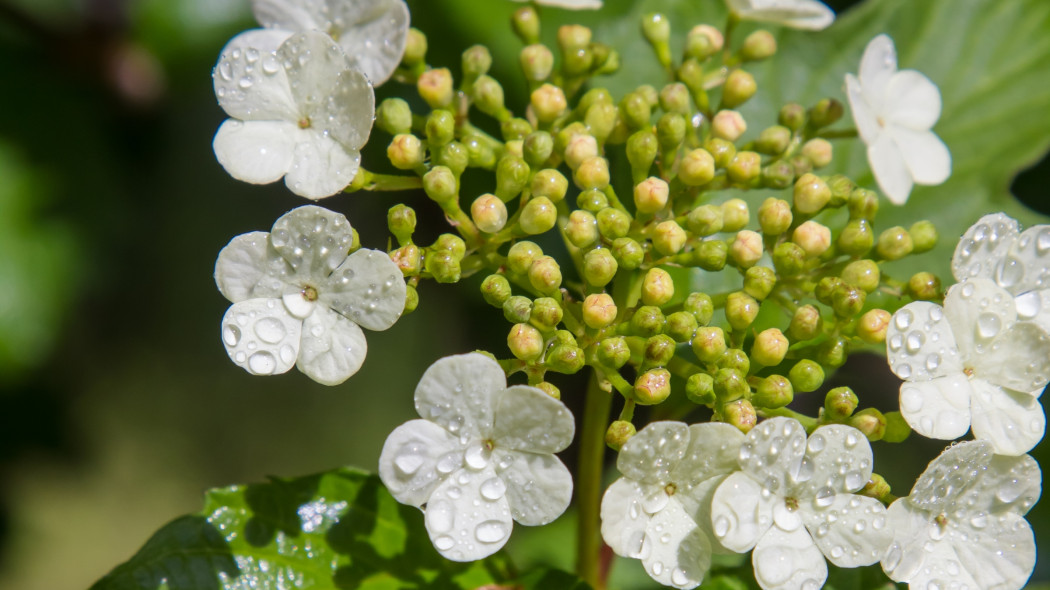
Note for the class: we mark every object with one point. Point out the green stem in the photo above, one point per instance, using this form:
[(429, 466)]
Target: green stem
[(808, 422), (389, 182), (589, 484), (838, 134)]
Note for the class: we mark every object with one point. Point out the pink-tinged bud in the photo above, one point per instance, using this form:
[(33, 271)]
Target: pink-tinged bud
[(746, 249), (652, 387), (489, 213), (599, 311), (657, 287), (769, 348), (581, 147), (435, 87), (728, 125), (812, 237), (548, 102), (872, 326), (650, 195)]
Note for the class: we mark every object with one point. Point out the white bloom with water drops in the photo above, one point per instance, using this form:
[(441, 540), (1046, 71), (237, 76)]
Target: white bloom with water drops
[(299, 299), (792, 502), (995, 248), (660, 510), (809, 15), (482, 456), (971, 364), (963, 524), (297, 110), (894, 112), (372, 33)]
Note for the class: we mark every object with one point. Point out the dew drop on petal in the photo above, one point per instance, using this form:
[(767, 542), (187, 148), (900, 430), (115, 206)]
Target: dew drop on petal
[(491, 531), (493, 489), (1009, 491), (476, 456), (1042, 241), (903, 319), (679, 577), (988, 325), (1028, 305), (231, 335), (721, 526), (408, 462), (262, 363), (816, 443), (658, 568), (824, 497), (269, 330), (914, 342)]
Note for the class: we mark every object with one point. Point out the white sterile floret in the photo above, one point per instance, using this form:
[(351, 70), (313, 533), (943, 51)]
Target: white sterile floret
[(809, 15), (372, 33), (963, 525), (569, 4), (894, 111), (792, 502), (297, 110), (971, 364), (299, 299), (482, 455), (995, 248), (660, 510)]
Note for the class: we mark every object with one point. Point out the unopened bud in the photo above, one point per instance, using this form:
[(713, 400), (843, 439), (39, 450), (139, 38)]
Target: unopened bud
[(487, 94), (856, 238), (394, 116), (599, 267), (515, 128), (614, 352), (792, 116), (789, 259), (613, 223), (415, 47), (537, 61), (705, 220), (741, 414), (759, 281), (778, 174), (863, 204), (592, 173), (517, 309), (548, 102), (700, 389), (651, 195), (435, 87), (825, 112), (818, 151), (924, 286), (512, 174), (674, 98), (923, 236), (629, 253), (773, 140), (870, 422), (710, 255), (526, 24), (647, 321), (476, 61), (401, 219), (656, 28), (746, 249), (814, 238), (599, 311), (806, 376), (408, 258), (642, 147), (525, 342), (806, 323), (741, 310), (659, 350), (774, 216), (709, 344), (759, 45), (877, 488), (769, 347), (565, 359), (405, 152), (545, 274), (811, 194), (833, 352), (601, 119), (443, 266), (738, 88), (538, 216), (580, 148), (728, 125), (582, 228), (619, 432), (453, 155), (521, 256), (772, 392), (735, 215), (703, 41), (701, 306), (862, 273), (573, 37), (894, 243), (537, 148), (744, 167), (550, 389), (549, 183), (496, 290), (440, 184), (652, 387), (872, 326), (847, 301), (840, 403), (697, 167), (670, 131), (681, 325), (668, 237), (657, 287), (489, 213), (546, 314)]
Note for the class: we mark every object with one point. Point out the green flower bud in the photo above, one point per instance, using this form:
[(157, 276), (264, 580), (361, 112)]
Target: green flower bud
[(681, 325), (435, 87), (487, 95), (734, 358), (670, 131), (746, 249), (863, 204), (818, 151), (735, 215), (546, 314), (642, 147), (521, 256), (709, 343), (897, 429), (721, 150), (741, 310), (894, 243), (856, 238), (811, 194), (525, 342), (705, 220), (647, 321), (619, 432), (701, 306), (806, 376), (496, 290), (538, 216), (863, 274), (577, 62), (515, 128), (769, 347), (549, 183), (599, 310), (740, 413), (839, 404), (394, 116), (847, 301), (659, 350), (806, 323), (649, 93), (739, 87), (872, 326), (582, 228), (489, 213), (601, 119), (759, 45), (728, 125), (599, 267), (550, 389), (759, 282), (580, 147), (636, 110), (833, 352), (675, 98), (536, 62), (411, 299), (451, 243), (594, 96), (825, 289), (526, 24), (703, 41), (772, 392), (668, 237), (401, 219), (568, 133), (415, 48), (789, 259), (408, 258), (697, 167), (656, 28), (925, 286), (744, 167), (730, 385), (565, 359), (405, 152), (545, 275), (573, 37), (700, 389), (812, 237), (825, 112), (923, 236), (871, 422), (592, 173), (517, 309), (629, 253), (537, 148), (613, 223), (841, 189), (614, 352), (440, 185), (774, 216), (476, 61), (657, 287), (778, 175), (512, 173), (792, 116), (443, 265), (877, 488), (710, 255), (592, 200), (454, 156), (773, 140), (479, 154), (652, 387)]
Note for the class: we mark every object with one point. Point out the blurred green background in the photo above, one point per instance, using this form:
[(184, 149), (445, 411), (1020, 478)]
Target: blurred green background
[(118, 406)]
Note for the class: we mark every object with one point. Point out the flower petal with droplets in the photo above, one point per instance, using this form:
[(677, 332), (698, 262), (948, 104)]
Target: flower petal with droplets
[(785, 560), (260, 336), (313, 240), (527, 419), (259, 152), (773, 451), (713, 450), (538, 486), (939, 408), (919, 343), (741, 513), (1018, 359), (809, 15), (1031, 253), (1013, 422), (983, 246), (458, 393), (978, 311), (464, 524), (852, 531), (249, 82), (681, 553), (623, 520), (321, 166), (333, 348), (248, 268), (408, 462), (367, 288), (649, 455), (841, 462)]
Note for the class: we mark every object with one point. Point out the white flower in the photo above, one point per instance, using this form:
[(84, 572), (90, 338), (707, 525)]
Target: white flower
[(792, 503), (971, 363), (660, 510), (297, 109), (482, 455), (809, 15), (372, 33), (995, 248), (570, 4), (298, 299), (963, 525), (894, 111)]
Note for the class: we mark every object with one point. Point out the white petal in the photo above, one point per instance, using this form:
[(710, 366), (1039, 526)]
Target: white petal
[(912, 101), (1034, 306), (926, 156), (373, 35), (681, 552), (919, 343), (890, 169), (527, 419), (459, 393), (772, 452), (248, 268), (649, 455), (463, 523), (807, 15), (249, 82), (788, 561), (946, 477), (321, 167), (259, 152), (313, 240), (624, 521), (864, 114), (877, 65), (1013, 422), (697, 501), (409, 462), (1018, 359), (260, 336), (978, 311), (983, 247), (367, 288), (741, 513), (852, 531), (538, 486), (1001, 555), (838, 459), (1027, 266), (333, 347), (917, 550), (939, 408), (713, 450), (290, 15)]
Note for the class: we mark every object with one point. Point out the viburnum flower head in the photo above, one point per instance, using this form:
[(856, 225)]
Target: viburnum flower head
[(372, 33), (482, 456), (963, 524), (995, 248), (660, 510), (809, 15), (297, 110), (792, 502), (971, 364), (299, 299), (569, 4), (894, 112)]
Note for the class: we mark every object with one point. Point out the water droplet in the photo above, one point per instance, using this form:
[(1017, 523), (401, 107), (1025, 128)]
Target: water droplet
[(721, 526), (444, 543), (246, 82), (658, 568), (1010, 272), (837, 552), (914, 342), (967, 290), (851, 440), (448, 463), (476, 456), (903, 319), (988, 325), (270, 330), (932, 362), (408, 463), (824, 497), (491, 531), (632, 511), (816, 443), (860, 526), (454, 492), (639, 546), (1009, 491), (855, 480), (1042, 241), (1028, 305), (979, 520), (231, 335), (903, 370), (262, 363), (679, 577), (493, 489)]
